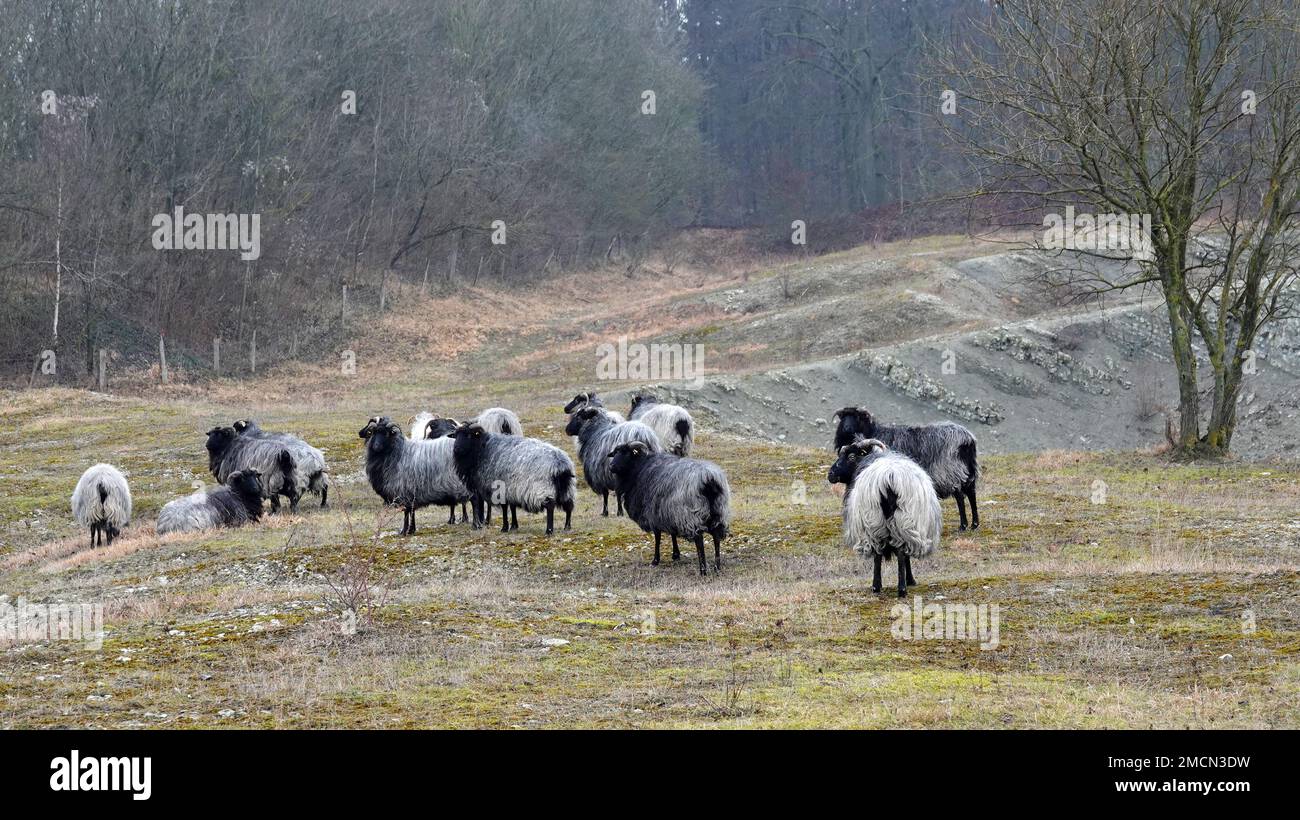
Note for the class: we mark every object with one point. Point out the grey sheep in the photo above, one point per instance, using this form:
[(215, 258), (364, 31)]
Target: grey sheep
[(513, 472), (677, 495), (102, 502), (411, 474), (673, 424), (254, 447), (890, 509), (945, 450), (233, 505), (499, 420), (598, 434)]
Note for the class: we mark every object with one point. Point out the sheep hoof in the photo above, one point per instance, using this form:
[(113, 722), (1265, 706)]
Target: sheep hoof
[(654, 563), (961, 528), (876, 590), (604, 513), (975, 526)]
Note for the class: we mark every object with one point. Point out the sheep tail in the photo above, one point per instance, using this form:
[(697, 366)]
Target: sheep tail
[(103, 492), (684, 432), (966, 452), (716, 496)]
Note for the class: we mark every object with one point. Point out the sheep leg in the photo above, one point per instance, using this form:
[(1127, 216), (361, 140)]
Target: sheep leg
[(618, 497), (605, 510), (961, 510), (875, 573), (94, 530), (658, 536), (275, 503), (464, 516), (677, 554), (568, 516), (974, 509), (903, 571), (505, 518), (717, 552), (411, 512), (550, 518), (451, 516), (293, 502), (699, 551), (487, 514), (477, 504), (911, 582), (324, 496), (514, 516)]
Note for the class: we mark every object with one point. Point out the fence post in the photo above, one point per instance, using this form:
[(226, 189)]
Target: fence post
[(253, 352), (103, 369), (216, 355), (162, 358)]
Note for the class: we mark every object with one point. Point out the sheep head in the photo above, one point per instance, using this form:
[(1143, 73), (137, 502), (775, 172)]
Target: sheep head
[(624, 458), (579, 419), (853, 422), (578, 401), (439, 427)]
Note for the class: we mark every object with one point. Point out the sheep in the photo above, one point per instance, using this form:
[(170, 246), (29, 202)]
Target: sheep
[(514, 472), (945, 450), (419, 423), (891, 510), (236, 503), (311, 471), (591, 400), (678, 495), (411, 474), (437, 427), (499, 420), (673, 424), (598, 434), (102, 502)]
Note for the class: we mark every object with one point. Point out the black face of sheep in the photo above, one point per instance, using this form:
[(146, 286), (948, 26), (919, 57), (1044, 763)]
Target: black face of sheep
[(219, 441), (851, 458), (854, 422), (247, 484), (625, 458), (371, 424), (579, 400), (580, 418), (382, 433), (439, 427)]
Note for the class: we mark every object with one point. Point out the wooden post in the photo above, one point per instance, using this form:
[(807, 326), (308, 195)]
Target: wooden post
[(162, 358), (103, 369), (252, 353), (216, 355), (343, 312)]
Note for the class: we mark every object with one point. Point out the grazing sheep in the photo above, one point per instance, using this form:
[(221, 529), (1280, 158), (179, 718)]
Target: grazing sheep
[(236, 503), (591, 400), (891, 510), (411, 474), (678, 495), (673, 424), (945, 450), (310, 471), (102, 502), (514, 472), (438, 427), (598, 434), (499, 420)]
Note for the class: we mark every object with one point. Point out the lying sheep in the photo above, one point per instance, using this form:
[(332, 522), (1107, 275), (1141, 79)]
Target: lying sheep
[(411, 474), (598, 434), (945, 450), (591, 400), (102, 502), (673, 424), (678, 495), (311, 474), (513, 472), (235, 504), (891, 509)]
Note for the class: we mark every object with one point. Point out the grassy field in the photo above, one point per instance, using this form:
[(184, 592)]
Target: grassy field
[(1174, 602)]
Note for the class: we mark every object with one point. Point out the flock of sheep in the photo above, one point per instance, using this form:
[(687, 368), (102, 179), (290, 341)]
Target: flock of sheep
[(894, 477)]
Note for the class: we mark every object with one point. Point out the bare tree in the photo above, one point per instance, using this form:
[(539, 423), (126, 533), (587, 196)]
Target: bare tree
[(1186, 112)]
